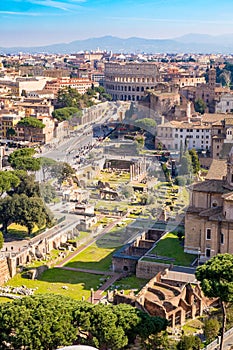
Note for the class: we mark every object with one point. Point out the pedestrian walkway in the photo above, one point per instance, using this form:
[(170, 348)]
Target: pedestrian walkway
[(93, 240), (96, 272), (98, 295)]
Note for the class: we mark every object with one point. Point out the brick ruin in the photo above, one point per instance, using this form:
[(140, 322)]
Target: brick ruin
[(176, 298)]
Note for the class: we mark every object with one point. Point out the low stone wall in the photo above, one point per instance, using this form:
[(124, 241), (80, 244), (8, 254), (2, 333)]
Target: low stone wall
[(147, 269)]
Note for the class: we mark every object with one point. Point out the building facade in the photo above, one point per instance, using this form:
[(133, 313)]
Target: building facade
[(127, 81), (174, 134), (209, 218)]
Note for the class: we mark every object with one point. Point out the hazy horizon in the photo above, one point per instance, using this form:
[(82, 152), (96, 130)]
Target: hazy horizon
[(45, 22)]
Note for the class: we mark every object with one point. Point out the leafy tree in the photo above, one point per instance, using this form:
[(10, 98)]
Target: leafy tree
[(199, 106), (211, 329), (225, 77), (62, 171), (186, 164), (8, 180), (47, 192), (160, 146), (180, 180), (47, 165), (49, 321), (28, 185), (189, 342), (68, 97), (37, 322), (66, 113), (147, 124), (7, 211), (29, 124), (105, 97), (216, 279), (127, 191), (105, 332), (30, 211), (195, 161), (140, 140), (1, 240), (22, 159), (166, 172), (160, 341), (10, 132)]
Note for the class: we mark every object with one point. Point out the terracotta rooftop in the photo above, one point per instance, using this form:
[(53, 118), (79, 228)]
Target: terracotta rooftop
[(210, 186), (218, 170)]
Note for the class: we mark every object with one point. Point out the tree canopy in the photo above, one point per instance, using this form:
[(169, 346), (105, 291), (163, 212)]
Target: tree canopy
[(186, 164), (8, 180), (31, 122), (216, 279), (22, 159), (69, 97), (50, 321), (195, 161), (66, 113), (199, 106), (1, 240), (147, 123)]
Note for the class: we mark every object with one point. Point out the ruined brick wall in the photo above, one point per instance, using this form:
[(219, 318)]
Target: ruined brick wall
[(147, 269), (4, 271)]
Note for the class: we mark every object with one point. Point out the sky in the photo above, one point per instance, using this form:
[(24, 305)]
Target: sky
[(44, 22)]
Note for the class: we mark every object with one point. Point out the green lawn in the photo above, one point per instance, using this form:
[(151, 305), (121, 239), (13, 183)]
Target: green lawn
[(5, 300), (52, 281), (94, 258), (171, 247), (129, 283)]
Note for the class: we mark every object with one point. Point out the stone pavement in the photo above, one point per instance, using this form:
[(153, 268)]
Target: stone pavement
[(98, 295)]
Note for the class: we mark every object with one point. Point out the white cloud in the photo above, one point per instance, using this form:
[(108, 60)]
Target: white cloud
[(18, 13), (61, 5)]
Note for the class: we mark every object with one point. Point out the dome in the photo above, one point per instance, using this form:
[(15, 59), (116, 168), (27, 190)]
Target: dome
[(78, 347)]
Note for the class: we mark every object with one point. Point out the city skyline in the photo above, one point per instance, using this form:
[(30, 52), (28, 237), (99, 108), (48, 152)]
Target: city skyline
[(44, 22)]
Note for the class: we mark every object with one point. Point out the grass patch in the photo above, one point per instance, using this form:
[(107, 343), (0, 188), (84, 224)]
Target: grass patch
[(52, 281), (171, 247), (16, 231), (94, 258), (192, 326), (5, 300), (129, 283)]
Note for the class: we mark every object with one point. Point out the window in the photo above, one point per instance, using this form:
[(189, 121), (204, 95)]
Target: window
[(207, 252), (208, 233), (222, 238)]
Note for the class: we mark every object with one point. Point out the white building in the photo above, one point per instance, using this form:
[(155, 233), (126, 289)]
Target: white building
[(225, 105), (174, 133)]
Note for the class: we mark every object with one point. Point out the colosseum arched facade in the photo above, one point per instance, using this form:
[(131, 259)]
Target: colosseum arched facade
[(127, 81)]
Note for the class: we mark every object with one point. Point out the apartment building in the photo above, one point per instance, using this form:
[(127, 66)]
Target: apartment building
[(8, 121), (173, 134), (79, 84)]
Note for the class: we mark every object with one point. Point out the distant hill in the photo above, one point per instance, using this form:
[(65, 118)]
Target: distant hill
[(193, 43)]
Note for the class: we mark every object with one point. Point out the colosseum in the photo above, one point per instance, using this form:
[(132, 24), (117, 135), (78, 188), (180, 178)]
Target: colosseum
[(127, 81)]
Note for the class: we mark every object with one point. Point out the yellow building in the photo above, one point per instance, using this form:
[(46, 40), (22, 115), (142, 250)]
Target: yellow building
[(8, 121)]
